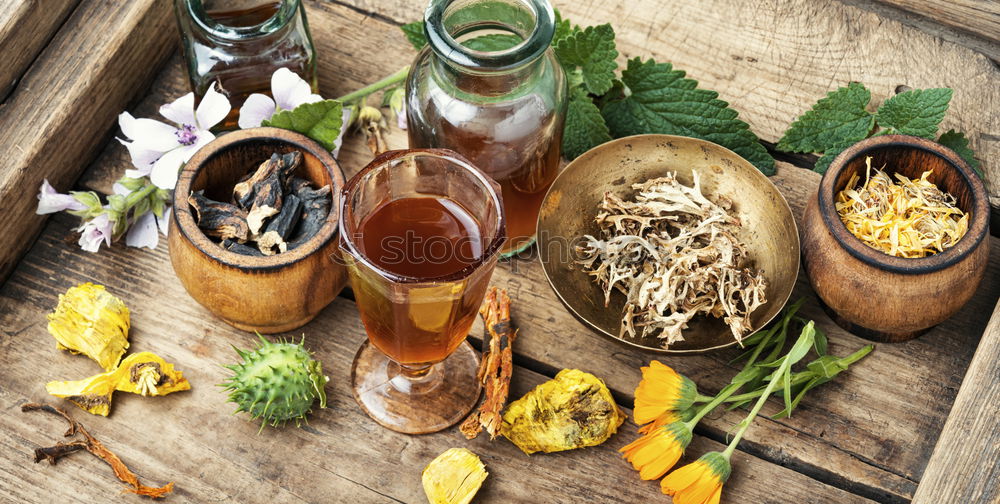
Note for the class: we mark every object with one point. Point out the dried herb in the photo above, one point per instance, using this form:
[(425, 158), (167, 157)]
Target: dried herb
[(91, 321), (496, 367), (906, 218), (221, 220), (453, 477), (675, 255), (53, 453), (143, 373)]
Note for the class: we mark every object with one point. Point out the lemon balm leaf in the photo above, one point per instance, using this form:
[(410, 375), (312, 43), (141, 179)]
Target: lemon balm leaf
[(592, 53), (838, 118), (320, 121), (585, 128), (656, 98), (415, 34), (916, 112), (956, 141)]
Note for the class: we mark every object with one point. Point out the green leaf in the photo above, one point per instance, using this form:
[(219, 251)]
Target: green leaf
[(824, 161), (660, 100), (820, 343), (492, 42), (563, 28), (787, 389), (585, 127), (839, 117), (593, 51), (415, 34), (956, 141), (916, 112), (320, 121)]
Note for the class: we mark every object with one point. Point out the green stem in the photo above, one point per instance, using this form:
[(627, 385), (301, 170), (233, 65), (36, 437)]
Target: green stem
[(717, 400), (745, 424), (701, 398), (389, 81), (137, 196)]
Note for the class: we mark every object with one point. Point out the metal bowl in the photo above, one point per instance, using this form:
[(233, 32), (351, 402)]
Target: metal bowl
[(570, 206)]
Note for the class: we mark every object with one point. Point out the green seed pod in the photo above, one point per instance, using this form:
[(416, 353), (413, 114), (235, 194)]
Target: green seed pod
[(276, 382)]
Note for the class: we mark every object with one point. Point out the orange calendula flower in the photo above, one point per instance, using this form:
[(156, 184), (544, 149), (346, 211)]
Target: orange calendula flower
[(658, 450), (699, 482), (662, 389)]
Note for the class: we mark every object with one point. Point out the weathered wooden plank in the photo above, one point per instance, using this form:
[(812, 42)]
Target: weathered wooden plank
[(57, 118), (773, 59), (859, 432), (981, 17), (192, 439), (25, 28), (966, 461)]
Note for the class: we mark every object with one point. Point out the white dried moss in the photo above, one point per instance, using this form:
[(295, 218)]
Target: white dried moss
[(673, 253)]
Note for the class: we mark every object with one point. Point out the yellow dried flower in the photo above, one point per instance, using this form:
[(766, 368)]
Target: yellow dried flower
[(91, 321), (144, 373), (573, 410), (453, 477)]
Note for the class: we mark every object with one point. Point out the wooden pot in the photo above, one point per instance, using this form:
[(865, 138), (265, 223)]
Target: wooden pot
[(883, 297), (269, 294)]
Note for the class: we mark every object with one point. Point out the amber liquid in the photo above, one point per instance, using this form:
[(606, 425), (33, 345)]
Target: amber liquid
[(250, 71), (515, 142), (416, 323)]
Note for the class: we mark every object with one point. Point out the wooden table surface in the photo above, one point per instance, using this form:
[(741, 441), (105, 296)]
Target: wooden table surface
[(869, 436)]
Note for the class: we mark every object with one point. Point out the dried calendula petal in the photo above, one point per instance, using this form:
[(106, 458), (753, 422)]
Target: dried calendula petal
[(143, 373), (573, 410), (91, 321), (453, 477)]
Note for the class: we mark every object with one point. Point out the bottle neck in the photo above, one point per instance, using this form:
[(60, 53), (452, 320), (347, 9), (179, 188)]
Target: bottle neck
[(261, 21), (485, 82)]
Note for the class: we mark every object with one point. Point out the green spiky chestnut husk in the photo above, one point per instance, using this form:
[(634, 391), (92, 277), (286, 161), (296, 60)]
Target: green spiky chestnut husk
[(276, 382)]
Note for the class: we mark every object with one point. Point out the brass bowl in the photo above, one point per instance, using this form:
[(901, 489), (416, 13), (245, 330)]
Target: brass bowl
[(570, 206)]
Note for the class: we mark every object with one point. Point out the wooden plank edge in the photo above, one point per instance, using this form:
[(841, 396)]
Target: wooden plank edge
[(965, 464), (24, 35)]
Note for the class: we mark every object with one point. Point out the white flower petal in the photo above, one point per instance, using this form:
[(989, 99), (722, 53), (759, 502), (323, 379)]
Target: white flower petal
[(180, 111), (136, 173), (95, 231), (214, 107), (204, 137), (143, 232), (165, 170), (401, 119), (148, 133), (255, 109), (288, 89), (164, 222), (345, 116), (50, 201), (120, 189), (142, 158)]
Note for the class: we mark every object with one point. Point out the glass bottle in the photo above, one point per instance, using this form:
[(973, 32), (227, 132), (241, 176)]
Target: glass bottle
[(503, 109), (240, 43)]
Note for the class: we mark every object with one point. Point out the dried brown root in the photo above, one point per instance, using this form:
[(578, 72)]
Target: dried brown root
[(218, 219), (53, 453), (496, 367)]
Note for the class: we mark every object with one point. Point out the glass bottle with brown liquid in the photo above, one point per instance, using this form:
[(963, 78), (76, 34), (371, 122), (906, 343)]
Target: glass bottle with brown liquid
[(240, 43), (503, 110)]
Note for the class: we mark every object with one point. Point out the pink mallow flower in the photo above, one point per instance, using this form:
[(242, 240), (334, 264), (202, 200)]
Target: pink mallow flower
[(95, 231), (51, 201), (159, 149)]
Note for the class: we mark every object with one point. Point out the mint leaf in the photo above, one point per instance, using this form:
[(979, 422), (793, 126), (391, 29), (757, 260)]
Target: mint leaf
[(585, 128), (916, 112), (492, 42), (320, 121), (824, 161), (415, 34), (661, 100), (563, 28), (593, 51), (956, 141), (837, 118)]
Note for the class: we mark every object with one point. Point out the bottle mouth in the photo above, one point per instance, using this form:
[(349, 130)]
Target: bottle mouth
[(449, 23), (284, 13)]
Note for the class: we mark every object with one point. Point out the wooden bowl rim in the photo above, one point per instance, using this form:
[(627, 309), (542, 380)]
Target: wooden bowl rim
[(978, 226), (655, 137), (219, 147)]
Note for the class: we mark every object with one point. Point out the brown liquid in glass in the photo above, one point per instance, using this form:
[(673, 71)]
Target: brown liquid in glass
[(422, 238), (515, 143), (246, 76)]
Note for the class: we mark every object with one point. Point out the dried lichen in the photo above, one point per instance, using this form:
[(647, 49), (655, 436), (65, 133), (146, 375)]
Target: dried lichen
[(675, 255)]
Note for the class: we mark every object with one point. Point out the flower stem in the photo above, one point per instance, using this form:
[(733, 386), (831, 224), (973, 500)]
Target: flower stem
[(137, 196), (701, 398), (717, 400), (389, 81)]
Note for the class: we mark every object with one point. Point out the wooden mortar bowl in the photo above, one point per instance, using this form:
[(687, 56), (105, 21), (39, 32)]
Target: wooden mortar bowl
[(269, 294), (883, 297)]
